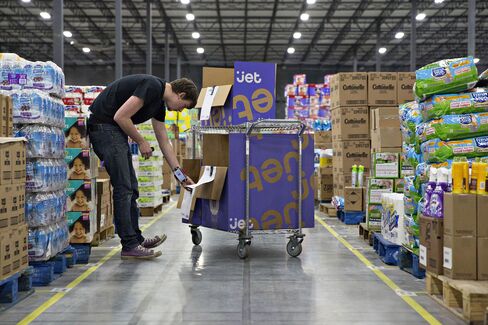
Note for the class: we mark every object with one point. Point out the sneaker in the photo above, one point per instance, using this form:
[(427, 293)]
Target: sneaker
[(153, 242), (139, 252)]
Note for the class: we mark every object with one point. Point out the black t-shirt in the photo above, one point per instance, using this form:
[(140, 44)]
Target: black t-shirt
[(148, 88)]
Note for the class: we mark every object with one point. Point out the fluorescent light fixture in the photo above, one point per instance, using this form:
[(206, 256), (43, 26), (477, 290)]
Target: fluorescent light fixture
[(72, 42), (438, 1), (382, 50), (195, 35), (476, 60), (421, 16), (190, 17), (26, 1), (67, 33), (86, 50), (399, 35), (311, 2), (200, 50), (297, 35), (304, 16), (45, 15), (291, 50), (185, 2)]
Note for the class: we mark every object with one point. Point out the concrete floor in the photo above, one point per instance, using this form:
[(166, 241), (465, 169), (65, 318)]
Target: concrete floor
[(327, 284)]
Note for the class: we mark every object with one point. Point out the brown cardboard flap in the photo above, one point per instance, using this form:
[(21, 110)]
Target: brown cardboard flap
[(217, 76), (219, 99), (215, 149), (11, 140), (192, 168), (213, 190)]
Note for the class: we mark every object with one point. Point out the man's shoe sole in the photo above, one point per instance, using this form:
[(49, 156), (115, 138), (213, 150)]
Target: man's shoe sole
[(163, 239), (150, 257)]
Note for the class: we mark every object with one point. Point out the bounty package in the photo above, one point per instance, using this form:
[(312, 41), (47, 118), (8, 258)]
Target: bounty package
[(452, 127), (438, 105), (439, 151), (446, 76)]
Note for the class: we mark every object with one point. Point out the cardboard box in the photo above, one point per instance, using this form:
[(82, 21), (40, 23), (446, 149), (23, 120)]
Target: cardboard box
[(376, 187), (341, 181), (6, 203), (322, 139), (482, 216), (432, 244), (353, 199), (483, 258), (103, 203), (10, 117), (192, 168), (80, 195), (385, 128), (382, 88), (212, 190), (325, 187), (349, 153), (4, 116), (18, 153), (215, 149), (75, 132), (6, 253), (82, 226), (6, 160), (349, 89), (79, 163), (373, 216), (20, 248), (406, 80), (460, 214), (17, 202), (350, 123), (460, 257), (375, 147), (386, 165)]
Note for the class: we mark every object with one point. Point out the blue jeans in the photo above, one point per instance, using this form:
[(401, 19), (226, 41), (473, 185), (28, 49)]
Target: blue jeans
[(110, 144)]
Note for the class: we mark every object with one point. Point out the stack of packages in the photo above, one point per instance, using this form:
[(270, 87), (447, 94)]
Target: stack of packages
[(38, 116), (450, 147), (323, 166), (13, 229), (309, 103), (350, 136), (385, 92), (149, 171)]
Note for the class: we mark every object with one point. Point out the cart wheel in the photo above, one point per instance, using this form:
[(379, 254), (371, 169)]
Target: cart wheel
[(196, 236), (243, 249), (294, 248)]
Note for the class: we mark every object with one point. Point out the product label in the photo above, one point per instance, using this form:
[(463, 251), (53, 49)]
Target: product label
[(448, 258), (17, 78), (423, 255)]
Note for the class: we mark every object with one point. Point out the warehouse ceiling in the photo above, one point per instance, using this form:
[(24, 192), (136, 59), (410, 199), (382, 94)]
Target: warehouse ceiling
[(257, 30)]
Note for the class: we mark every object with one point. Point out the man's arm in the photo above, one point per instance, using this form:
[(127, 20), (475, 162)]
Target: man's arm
[(123, 119), (166, 147)]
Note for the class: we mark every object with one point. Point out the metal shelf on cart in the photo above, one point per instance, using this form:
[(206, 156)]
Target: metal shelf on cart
[(260, 126)]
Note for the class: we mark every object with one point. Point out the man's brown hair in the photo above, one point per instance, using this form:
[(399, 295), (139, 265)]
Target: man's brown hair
[(188, 87)]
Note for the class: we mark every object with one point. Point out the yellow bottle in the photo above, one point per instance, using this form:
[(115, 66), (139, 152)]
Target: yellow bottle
[(475, 176), (457, 176), (465, 165), (482, 174)]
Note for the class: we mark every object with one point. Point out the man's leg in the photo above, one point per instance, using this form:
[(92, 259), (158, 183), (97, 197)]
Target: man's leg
[(134, 209)]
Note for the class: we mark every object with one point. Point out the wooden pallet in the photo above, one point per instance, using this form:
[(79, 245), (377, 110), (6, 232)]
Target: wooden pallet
[(103, 235), (151, 211), (466, 299), (366, 233), (323, 207)]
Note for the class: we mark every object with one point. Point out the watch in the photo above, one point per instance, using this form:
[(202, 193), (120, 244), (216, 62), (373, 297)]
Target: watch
[(180, 176)]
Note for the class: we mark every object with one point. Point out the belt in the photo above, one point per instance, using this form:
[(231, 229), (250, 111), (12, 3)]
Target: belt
[(103, 127)]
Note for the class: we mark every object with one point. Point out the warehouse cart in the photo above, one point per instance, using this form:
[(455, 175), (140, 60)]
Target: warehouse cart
[(260, 127)]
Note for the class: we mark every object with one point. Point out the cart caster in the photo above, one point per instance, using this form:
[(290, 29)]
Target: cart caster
[(243, 249), (294, 247), (196, 236)]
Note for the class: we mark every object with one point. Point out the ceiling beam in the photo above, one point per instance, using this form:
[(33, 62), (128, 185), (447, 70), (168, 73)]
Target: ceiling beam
[(270, 29), (221, 31)]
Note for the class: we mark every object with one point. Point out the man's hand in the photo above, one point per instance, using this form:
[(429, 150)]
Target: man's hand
[(188, 181), (145, 149)]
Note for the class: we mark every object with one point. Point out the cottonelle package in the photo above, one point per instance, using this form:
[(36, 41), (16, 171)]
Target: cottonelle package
[(439, 151), (446, 76), (452, 127), (438, 105)]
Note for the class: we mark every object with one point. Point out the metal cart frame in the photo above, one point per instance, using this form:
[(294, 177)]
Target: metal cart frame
[(268, 126)]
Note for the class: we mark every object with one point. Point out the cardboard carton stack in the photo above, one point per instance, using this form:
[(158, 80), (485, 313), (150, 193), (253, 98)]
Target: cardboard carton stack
[(323, 173), (149, 171), (6, 116), (13, 228), (350, 127), (104, 204)]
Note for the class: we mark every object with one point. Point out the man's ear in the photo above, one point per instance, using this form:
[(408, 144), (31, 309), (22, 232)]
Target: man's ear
[(181, 95)]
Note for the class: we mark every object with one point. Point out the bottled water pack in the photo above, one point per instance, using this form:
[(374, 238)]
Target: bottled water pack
[(46, 242), (42, 141), (43, 209), (43, 175)]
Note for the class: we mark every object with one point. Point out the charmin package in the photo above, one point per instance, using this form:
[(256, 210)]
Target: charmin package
[(439, 151), (446, 76), (439, 105), (452, 127)]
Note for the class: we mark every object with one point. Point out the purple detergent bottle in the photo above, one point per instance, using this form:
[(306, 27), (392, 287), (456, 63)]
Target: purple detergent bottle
[(436, 204), (431, 185)]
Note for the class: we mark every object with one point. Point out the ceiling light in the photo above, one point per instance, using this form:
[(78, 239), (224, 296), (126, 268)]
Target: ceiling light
[(195, 35), (311, 2), (297, 35), (72, 42), (291, 50), (67, 33), (420, 16), (438, 1), (476, 60), (200, 50), (45, 15), (185, 2), (399, 35), (26, 1), (190, 17), (86, 50), (304, 16), (382, 50)]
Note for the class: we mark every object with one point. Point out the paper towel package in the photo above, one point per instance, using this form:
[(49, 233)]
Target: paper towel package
[(392, 220)]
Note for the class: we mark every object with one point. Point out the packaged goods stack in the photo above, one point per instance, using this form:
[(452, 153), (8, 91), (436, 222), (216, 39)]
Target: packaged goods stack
[(323, 166), (309, 103), (36, 89), (350, 138), (149, 173)]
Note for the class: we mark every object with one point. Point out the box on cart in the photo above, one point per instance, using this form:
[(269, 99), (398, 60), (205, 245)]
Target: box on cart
[(382, 88), (349, 89)]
